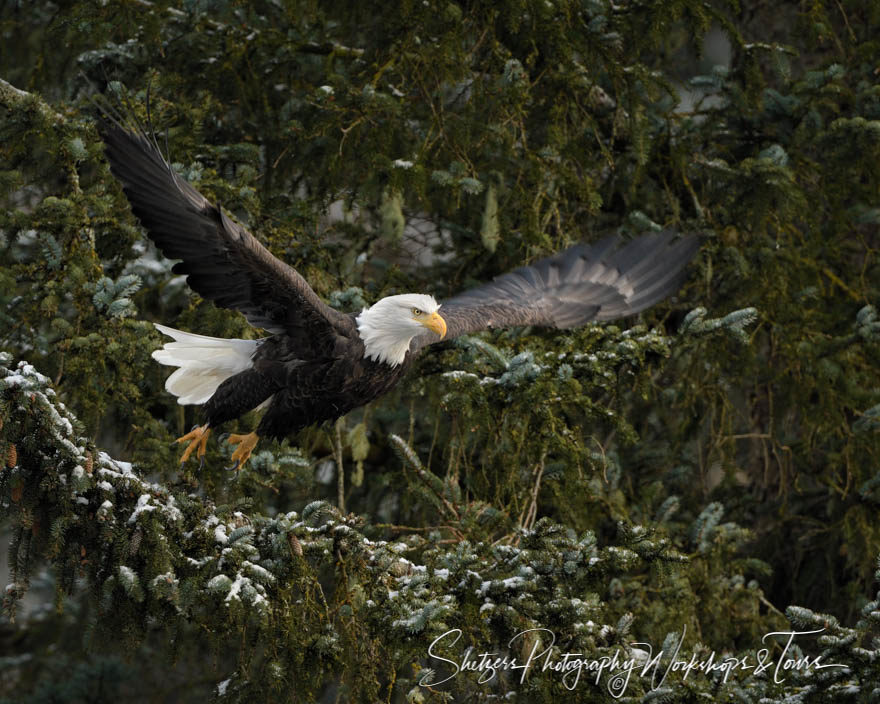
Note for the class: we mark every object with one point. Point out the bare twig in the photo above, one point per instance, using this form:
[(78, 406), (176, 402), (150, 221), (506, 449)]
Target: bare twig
[(337, 456), (527, 518)]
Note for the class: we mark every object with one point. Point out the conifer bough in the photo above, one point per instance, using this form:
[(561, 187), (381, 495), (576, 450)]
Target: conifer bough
[(319, 363)]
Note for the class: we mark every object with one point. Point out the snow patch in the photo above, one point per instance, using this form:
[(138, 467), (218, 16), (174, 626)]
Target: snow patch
[(143, 506)]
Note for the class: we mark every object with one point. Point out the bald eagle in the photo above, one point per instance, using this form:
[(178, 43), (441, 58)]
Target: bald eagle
[(319, 363)]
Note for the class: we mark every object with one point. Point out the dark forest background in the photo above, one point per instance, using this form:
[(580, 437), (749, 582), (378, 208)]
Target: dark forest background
[(710, 466)]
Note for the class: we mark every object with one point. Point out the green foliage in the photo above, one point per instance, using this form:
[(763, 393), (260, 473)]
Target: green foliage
[(691, 475)]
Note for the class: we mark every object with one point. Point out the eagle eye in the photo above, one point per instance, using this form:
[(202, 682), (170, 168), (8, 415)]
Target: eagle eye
[(417, 311)]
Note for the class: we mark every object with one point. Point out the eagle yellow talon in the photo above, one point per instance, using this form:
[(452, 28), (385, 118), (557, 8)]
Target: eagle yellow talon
[(246, 444), (198, 440)]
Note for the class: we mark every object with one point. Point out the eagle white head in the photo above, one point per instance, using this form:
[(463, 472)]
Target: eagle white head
[(389, 325)]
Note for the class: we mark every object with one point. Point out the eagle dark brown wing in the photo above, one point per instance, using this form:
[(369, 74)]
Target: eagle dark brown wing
[(601, 281), (222, 260)]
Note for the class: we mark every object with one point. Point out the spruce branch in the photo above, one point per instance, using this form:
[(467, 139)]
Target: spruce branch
[(147, 551)]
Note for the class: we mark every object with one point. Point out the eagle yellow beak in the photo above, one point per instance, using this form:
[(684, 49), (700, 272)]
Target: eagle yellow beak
[(434, 323)]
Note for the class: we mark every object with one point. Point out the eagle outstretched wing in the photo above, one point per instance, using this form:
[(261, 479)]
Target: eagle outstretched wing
[(602, 281), (222, 260)]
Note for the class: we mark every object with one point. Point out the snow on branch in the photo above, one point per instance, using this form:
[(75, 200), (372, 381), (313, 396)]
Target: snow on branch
[(151, 555), (11, 96)]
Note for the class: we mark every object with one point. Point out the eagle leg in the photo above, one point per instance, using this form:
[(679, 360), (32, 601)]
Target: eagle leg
[(246, 444), (197, 439)]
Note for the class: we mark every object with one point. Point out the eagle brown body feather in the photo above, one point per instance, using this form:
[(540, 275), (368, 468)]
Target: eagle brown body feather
[(302, 392)]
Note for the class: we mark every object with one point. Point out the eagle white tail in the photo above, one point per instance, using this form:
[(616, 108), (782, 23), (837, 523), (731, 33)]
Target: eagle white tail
[(204, 363)]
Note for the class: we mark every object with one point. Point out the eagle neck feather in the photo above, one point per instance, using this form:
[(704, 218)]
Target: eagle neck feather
[(383, 341)]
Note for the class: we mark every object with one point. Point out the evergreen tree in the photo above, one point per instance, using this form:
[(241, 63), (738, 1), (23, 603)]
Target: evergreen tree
[(686, 477)]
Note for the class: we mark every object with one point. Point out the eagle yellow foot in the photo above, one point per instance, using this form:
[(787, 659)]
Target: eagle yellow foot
[(197, 439), (246, 444)]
